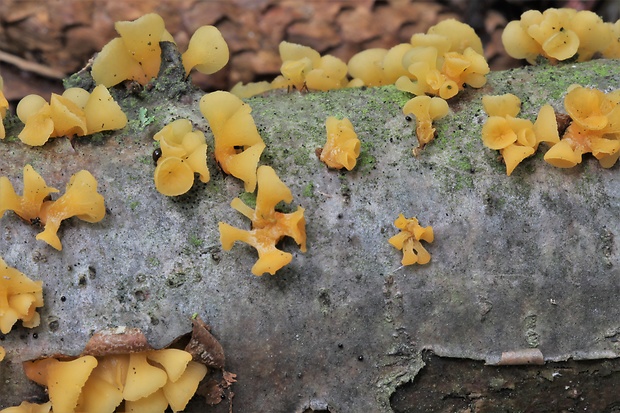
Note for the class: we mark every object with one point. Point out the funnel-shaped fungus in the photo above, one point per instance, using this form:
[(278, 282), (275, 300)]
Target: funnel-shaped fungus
[(297, 62), (179, 392), (19, 298), (102, 112), (143, 379), (80, 199), (36, 115), (330, 73), (174, 361), (154, 403), (426, 110), (136, 55), (238, 146), (65, 380), (268, 225), (546, 126), (28, 206), (562, 155), (207, 51), (592, 109), (514, 154), (367, 65), (342, 147), (408, 240), (184, 152), (501, 105), (69, 119)]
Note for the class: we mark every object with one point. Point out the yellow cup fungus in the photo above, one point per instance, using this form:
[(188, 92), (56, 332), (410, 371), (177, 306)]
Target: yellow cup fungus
[(238, 146), (34, 206), (184, 152), (515, 138), (408, 240), (426, 109), (559, 34), (342, 147), (19, 298), (595, 128), (147, 381), (207, 51), (268, 225), (75, 112)]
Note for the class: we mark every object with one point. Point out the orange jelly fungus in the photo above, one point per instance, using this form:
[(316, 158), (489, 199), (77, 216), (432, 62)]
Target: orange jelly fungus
[(238, 146), (595, 128), (34, 206), (19, 299), (408, 240), (75, 112), (207, 51), (184, 152), (342, 147), (147, 381), (268, 225)]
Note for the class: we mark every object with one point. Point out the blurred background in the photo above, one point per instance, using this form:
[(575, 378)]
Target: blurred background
[(43, 41)]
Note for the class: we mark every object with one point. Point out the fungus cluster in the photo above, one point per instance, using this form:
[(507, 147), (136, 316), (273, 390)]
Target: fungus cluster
[(80, 199), (408, 240), (425, 109), (183, 153), (75, 112), (342, 147), (136, 54), (560, 34), (238, 146), (4, 106), (516, 138), (268, 225), (441, 61), (147, 381), (595, 128), (19, 299)]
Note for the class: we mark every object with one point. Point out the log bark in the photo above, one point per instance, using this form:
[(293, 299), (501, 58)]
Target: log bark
[(519, 262)]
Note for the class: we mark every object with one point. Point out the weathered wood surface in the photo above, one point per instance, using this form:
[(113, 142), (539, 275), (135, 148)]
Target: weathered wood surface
[(518, 262)]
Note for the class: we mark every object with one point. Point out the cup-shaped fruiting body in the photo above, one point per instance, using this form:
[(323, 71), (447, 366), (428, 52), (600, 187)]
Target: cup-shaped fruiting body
[(19, 298), (103, 112), (408, 240), (75, 112), (557, 34), (426, 110), (501, 105), (367, 66), (238, 146), (497, 133), (329, 74), (460, 35), (592, 109), (136, 55), (268, 225), (207, 51), (342, 147), (184, 152), (147, 381), (28, 205), (80, 199)]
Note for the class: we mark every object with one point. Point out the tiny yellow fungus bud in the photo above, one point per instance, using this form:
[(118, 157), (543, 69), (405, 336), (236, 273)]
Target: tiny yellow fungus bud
[(426, 109)]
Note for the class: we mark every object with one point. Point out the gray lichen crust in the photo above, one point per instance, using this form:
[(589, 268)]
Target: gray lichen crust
[(523, 261)]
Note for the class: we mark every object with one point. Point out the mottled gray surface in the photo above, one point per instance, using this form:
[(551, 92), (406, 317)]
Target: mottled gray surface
[(523, 261)]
